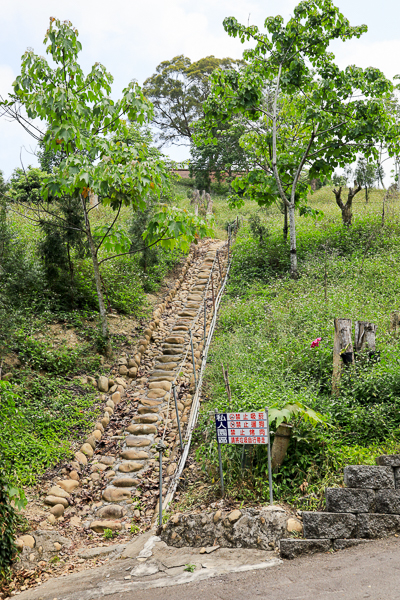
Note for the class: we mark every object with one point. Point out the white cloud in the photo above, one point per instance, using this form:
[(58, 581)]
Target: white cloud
[(384, 55)]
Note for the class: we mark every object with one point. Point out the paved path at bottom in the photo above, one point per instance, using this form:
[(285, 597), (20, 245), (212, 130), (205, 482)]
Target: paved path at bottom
[(368, 571)]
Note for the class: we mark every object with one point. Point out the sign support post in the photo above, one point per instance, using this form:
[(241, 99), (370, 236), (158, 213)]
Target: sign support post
[(271, 496), (221, 474)]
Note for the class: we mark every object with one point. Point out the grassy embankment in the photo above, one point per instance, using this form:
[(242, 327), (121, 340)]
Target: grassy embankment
[(266, 326), (47, 345)]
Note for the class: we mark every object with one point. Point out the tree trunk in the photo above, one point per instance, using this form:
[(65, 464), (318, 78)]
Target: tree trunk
[(364, 337), (285, 222), (395, 322), (280, 445), (342, 350), (293, 249), (347, 209), (97, 278)]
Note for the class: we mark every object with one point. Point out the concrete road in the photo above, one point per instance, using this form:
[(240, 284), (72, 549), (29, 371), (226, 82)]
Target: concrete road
[(368, 571), (371, 570)]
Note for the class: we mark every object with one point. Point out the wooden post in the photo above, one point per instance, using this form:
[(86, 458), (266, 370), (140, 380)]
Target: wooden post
[(395, 322), (342, 350), (364, 337)]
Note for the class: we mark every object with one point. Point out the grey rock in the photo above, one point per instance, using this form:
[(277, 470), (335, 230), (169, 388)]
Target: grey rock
[(388, 460), (111, 511), (396, 472), (291, 548), (387, 501), (373, 526), (349, 500), (368, 476), (255, 528), (343, 544), (318, 525)]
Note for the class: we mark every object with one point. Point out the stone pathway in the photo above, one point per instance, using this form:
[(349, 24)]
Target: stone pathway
[(113, 483)]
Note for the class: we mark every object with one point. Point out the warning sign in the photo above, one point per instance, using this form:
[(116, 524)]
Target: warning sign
[(241, 428)]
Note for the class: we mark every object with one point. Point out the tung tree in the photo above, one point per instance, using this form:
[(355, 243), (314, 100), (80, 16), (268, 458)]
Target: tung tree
[(335, 113), (86, 129)]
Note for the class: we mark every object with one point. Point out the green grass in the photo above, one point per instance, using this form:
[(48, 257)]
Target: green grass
[(267, 324)]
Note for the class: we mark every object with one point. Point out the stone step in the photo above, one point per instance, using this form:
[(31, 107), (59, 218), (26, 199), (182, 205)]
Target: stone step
[(133, 441), (388, 460), (369, 476), (292, 548), (349, 500), (319, 525)]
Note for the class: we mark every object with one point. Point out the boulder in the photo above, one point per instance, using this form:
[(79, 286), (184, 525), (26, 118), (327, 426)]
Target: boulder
[(116, 397), (87, 449), (113, 511), (100, 526), (129, 467), (146, 419), (102, 384), (161, 385), (81, 458), (125, 482), (134, 455), (53, 500), (116, 494), (107, 459), (58, 491), (137, 442), (57, 510), (293, 525), (27, 540), (69, 485), (142, 429)]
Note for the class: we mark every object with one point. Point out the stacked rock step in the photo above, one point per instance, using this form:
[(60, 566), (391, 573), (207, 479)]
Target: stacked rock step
[(367, 508), (138, 454)]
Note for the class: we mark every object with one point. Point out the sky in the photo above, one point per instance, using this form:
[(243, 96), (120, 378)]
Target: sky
[(132, 38)]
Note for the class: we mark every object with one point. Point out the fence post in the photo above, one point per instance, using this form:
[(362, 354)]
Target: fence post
[(342, 350), (365, 337), (177, 416), (160, 447)]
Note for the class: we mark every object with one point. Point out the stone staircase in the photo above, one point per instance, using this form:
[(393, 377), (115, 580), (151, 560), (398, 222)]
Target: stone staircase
[(367, 508), (113, 480)]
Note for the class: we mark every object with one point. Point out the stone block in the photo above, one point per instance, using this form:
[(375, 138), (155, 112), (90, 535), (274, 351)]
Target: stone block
[(343, 544), (349, 500), (368, 476), (373, 526), (292, 548), (396, 472), (319, 525), (387, 501), (388, 460)]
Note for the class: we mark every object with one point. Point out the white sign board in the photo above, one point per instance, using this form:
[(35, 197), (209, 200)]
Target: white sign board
[(241, 428)]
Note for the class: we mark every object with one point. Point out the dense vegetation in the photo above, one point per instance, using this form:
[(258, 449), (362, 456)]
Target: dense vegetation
[(266, 328), (49, 336)]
